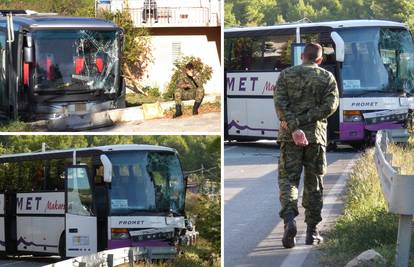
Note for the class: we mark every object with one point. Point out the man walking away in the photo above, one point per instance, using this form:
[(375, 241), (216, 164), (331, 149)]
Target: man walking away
[(305, 96), (188, 87)]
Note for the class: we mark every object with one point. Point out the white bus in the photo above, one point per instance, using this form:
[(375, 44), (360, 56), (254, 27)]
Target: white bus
[(80, 201), (372, 60)]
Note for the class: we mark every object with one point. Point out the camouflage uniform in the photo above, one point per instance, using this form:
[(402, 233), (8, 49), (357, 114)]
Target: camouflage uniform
[(305, 97), (188, 88)]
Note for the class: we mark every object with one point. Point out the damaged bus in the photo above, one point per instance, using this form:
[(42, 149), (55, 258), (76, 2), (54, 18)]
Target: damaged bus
[(372, 60), (79, 201), (63, 69)]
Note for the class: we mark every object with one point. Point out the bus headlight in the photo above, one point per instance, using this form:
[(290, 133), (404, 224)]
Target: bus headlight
[(353, 116), (119, 233)]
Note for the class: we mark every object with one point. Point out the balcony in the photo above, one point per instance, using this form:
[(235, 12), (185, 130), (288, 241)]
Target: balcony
[(161, 14)]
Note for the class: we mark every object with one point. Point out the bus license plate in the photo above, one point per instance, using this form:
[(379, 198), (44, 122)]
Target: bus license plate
[(80, 107)]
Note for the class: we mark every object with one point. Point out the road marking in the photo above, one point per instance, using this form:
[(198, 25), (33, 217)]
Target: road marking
[(298, 254)]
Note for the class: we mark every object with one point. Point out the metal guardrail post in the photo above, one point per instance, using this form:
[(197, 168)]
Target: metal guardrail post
[(131, 257), (110, 260), (404, 240)]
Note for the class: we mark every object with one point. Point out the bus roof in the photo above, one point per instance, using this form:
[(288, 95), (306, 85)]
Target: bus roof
[(329, 24), (82, 152), (57, 22)]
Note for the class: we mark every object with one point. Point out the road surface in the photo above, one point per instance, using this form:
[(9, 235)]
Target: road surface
[(207, 122), (252, 227), (27, 261)]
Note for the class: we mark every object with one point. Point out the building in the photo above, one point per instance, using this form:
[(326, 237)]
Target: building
[(178, 28)]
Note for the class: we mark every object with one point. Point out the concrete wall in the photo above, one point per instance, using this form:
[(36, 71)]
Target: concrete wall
[(199, 42)]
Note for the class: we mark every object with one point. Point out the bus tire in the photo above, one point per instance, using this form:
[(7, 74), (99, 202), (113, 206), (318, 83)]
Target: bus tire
[(62, 246)]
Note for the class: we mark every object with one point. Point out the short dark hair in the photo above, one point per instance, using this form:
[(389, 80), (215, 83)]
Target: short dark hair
[(189, 66), (313, 51)]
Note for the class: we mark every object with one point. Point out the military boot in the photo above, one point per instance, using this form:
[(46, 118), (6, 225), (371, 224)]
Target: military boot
[(195, 107), (178, 111), (312, 235), (289, 240)]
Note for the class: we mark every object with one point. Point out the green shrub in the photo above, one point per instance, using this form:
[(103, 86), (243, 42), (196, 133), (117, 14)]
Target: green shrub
[(366, 222), (203, 70)]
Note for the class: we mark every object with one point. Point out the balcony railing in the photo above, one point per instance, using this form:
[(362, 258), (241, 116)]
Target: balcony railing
[(174, 17)]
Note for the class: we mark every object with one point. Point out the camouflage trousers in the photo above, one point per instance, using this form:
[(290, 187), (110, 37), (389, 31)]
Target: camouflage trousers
[(188, 94), (292, 159)]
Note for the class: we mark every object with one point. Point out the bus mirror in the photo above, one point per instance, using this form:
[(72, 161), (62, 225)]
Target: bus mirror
[(107, 164), (28, 54), (339, 46)]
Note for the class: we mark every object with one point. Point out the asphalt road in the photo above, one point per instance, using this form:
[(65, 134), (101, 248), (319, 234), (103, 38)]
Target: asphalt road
[(27, 261), (207, 122), (252, 227)]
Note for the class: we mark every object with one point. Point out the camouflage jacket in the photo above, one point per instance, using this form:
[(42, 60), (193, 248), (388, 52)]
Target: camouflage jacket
[(305, 97), (186, 82)]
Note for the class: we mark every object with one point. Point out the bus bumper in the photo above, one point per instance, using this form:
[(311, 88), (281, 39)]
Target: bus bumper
[(360, 131), (79, 122), (159, 249)]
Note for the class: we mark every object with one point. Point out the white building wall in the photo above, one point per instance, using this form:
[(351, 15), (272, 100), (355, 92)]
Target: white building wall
[(160, 71)]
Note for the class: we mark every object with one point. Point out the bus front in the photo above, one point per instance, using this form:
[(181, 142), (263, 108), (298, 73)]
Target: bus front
[(146, 198), (377, 80), (73, 71)]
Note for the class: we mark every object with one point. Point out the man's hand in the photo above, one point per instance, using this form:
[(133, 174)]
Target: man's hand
[(284, 125), (299, 138)]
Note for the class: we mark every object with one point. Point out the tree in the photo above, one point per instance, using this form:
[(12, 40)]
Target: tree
[(137, 54), (252, 13)]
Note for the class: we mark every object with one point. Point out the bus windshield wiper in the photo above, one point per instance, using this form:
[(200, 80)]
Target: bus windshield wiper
[(374, 91)]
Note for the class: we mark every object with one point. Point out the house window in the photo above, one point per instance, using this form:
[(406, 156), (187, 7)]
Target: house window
[(176, 51)]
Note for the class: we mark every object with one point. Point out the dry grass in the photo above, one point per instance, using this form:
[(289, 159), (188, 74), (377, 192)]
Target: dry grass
[(366, 223)]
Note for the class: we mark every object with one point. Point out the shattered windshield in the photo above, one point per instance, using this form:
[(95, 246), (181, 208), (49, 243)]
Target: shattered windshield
[(76, 60), (146, 181), (378, 59)]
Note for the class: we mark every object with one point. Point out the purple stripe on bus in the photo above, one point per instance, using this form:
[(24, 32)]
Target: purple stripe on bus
[(121, 243), (355, 131), (246, 127), (385, 125), (351, 131)]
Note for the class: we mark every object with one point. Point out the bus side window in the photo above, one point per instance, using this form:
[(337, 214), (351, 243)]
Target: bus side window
[(79, 191)]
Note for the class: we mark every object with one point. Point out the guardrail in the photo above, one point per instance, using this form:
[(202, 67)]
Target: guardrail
[(398, 191)]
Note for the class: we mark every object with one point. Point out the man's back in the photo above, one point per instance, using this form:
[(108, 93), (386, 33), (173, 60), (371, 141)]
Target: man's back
[(304, 90)]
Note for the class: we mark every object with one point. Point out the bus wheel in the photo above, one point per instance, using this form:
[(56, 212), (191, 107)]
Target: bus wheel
[(62, 246)]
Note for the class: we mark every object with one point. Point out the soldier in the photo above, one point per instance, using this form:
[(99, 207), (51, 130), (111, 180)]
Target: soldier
[(188, 87), (305, 96)]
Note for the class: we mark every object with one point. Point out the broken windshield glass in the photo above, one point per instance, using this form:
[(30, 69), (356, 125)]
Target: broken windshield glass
[(76, 60)]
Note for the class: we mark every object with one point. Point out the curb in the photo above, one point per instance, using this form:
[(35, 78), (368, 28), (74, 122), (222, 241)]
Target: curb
[(122, 115)]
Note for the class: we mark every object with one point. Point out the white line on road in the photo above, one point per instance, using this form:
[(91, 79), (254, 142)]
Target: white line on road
[(298, 254)]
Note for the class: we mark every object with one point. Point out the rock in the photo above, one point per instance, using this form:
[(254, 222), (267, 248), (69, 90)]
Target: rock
[(367, 258)]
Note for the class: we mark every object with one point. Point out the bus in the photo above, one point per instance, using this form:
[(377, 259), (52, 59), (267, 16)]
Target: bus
[(59, 68), (80, 201), (372, 61)]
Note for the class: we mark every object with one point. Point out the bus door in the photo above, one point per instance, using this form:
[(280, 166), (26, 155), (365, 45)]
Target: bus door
[(81, 222), (4, 92)]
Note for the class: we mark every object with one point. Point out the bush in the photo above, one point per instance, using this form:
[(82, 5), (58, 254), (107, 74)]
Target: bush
[(137, 54), (207, 214), (203, 70)]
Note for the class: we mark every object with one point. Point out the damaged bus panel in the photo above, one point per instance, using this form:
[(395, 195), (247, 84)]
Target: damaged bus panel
[(59, 68)]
